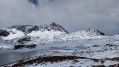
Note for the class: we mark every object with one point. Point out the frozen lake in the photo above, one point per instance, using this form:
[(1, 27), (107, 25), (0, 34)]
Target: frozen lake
[(10, 56)]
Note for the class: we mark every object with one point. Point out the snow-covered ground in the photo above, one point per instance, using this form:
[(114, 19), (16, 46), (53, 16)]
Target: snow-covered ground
[(101, 47), (74, 63)]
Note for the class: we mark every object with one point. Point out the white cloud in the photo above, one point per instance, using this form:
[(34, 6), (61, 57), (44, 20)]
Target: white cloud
[(74, 15)]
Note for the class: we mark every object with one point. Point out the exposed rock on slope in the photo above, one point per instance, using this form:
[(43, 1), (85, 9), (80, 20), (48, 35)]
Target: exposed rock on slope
[(4, 33), (95, 31), (57, 27), (30, 28), (24, 39)]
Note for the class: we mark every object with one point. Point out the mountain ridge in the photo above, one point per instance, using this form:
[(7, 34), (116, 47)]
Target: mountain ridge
[(29, 28), (33, 34)]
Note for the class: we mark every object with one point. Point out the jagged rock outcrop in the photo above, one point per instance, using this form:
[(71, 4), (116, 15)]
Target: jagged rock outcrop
[(95, 31), (57, 27), (25, 28), (24, 39), (4, 33)]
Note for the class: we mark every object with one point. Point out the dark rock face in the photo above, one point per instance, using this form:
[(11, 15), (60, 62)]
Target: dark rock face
[(34, 28), (4, 33), (57, 27), (24, 40), (96, 31), (21, 43), (100, 33), (25, 28), (29, 28), (25, 46)]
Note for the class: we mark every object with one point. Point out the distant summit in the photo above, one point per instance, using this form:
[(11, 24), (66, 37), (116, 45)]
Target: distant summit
[(57, 27), (97, 32)]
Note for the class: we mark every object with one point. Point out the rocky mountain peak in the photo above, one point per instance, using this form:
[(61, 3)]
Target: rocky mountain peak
[(95, 31), (29, 28), (57, 27)]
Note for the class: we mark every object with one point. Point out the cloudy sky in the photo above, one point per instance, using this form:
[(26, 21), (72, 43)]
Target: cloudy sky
[(74, 15)]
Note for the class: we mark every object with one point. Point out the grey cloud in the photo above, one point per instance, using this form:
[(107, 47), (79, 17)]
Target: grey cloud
[(74, 15)]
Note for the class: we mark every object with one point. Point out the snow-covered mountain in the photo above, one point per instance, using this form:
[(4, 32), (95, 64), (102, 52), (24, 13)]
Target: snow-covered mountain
[(32, 34), (53, 40), (32, 30), (25, 34), (85, 34)]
